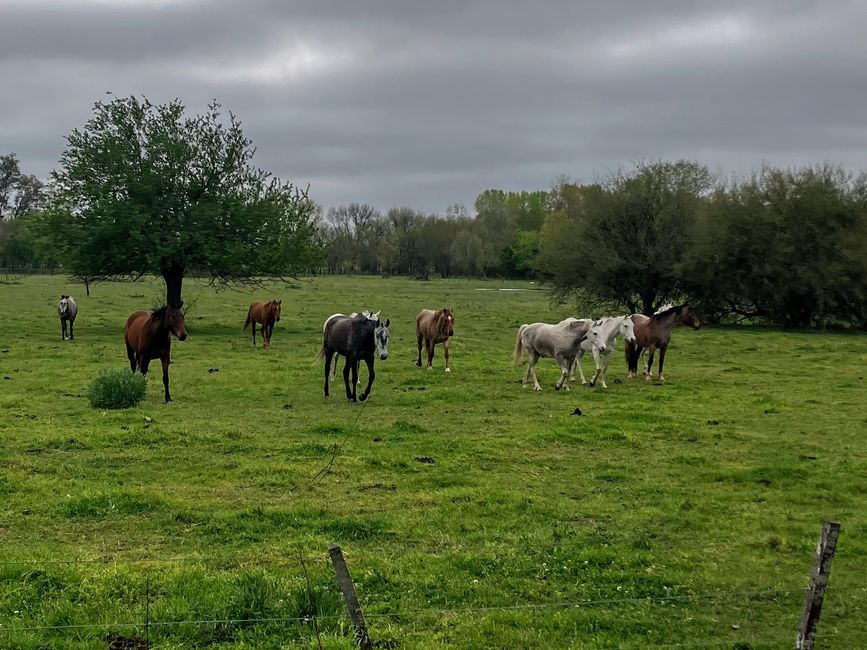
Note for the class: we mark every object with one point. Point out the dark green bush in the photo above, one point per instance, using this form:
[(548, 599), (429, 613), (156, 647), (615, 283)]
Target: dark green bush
[(117, 389)]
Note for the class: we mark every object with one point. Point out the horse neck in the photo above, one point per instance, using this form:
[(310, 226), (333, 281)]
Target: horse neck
[(662, 326), (610, 329)]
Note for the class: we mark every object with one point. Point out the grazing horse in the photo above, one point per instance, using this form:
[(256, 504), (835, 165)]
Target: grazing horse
[(147, 337), (652, 332), (434, 327), (67, 309), (560, 341), (368, 313), (266, 313), (358, 339), (610, 328)]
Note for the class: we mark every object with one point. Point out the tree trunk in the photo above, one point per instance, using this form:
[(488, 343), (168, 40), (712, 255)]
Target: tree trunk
[(648, 300), (174, 279)]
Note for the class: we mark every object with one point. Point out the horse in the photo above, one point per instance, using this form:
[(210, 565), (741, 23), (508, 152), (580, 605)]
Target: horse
[(434, 327), (367, 313), (358, 339), (266, 313), (610, 328), (67, 309), (652, 332), (147, 337), (560, 341)]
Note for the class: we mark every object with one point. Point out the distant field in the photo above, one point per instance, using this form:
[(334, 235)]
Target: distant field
[(472, 513)]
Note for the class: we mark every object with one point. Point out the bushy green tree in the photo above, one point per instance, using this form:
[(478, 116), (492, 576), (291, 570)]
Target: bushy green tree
[(152, 190)]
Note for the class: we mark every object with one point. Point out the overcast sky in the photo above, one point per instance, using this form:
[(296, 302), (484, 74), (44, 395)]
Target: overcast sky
[(427, 103)]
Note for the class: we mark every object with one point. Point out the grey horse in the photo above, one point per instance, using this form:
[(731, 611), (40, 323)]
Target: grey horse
[(560, 341), (67, 310)]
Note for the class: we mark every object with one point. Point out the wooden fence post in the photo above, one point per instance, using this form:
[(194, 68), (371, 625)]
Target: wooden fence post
[(818, 582), (344, 580)]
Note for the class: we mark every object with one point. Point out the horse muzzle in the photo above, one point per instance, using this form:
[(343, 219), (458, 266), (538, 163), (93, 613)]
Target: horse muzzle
[(383, 356), (182, 337)]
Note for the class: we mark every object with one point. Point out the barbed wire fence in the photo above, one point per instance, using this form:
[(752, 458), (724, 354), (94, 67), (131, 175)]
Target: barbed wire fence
[(140, 631)]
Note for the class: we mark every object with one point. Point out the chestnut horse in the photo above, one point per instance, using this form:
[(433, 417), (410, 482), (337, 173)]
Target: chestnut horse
[(652, 332), (434, 327), (266, 313), (147, 337)]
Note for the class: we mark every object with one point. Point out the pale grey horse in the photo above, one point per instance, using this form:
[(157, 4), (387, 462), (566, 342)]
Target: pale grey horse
[(610, 328), (67, 309), (560, 341)]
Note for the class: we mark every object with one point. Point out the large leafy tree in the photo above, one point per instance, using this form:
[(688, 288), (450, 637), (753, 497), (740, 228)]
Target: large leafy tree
[(152, 190), (625, 240), (19, 193)]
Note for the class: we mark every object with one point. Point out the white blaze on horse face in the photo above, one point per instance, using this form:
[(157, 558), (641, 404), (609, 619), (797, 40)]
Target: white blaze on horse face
[(380, 338)]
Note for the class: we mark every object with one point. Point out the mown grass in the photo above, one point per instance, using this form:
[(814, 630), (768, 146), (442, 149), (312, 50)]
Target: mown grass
[(679, 514)]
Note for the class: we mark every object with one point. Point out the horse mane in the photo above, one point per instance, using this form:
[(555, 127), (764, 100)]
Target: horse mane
[(158, 313), (677, 309)]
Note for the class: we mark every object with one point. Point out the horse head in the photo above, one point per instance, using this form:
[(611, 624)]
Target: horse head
[(627, 329), (380, 338), (689, 317), (63, 305), (275, 309), (174, 322), (596, 336), (447, 321)]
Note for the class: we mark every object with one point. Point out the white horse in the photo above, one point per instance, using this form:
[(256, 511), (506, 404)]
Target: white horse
[(610, 328), (367, 313), (67, 310), (560, 341)]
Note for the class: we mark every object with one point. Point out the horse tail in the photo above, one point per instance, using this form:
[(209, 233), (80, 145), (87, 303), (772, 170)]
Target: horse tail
[(518, 349), (320, 355), (249, 319), (631, 356)]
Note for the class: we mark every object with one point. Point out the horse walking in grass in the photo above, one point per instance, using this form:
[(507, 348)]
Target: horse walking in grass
[(367, 313), (358, 339), (610, 328), (148, 337), (434, 327), (266, 313), (560, 341), (67, 310), (652, 332)]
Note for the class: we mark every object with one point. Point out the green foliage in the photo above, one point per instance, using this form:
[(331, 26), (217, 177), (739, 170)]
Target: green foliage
[(154, 191), (117, 388)]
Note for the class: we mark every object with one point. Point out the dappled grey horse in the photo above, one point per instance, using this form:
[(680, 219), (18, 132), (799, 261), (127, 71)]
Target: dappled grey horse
[(560, 341), (67, 309)]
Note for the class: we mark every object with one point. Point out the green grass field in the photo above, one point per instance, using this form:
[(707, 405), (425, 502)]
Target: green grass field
[(472, 513)]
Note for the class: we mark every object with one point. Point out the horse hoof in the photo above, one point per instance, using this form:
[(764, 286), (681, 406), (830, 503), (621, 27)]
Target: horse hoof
[(363, 397), (448, 369), (430, 367)]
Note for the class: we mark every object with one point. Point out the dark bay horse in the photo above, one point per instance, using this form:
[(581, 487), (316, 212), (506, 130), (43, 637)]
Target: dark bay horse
[(67, 310), (148, 337), (434, 327), (266, 313), (358, 339), (652, 332)]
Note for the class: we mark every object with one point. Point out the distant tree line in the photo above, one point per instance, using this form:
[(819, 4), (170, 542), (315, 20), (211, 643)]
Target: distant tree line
[(785, 246)]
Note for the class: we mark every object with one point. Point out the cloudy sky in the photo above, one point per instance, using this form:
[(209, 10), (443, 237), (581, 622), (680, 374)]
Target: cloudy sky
[(427, 103)]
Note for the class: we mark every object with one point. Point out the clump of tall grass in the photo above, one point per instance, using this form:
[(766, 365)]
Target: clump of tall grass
[(117, 389)]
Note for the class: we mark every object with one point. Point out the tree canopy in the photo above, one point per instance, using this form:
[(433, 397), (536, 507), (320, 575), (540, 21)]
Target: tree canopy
[(151, 190)]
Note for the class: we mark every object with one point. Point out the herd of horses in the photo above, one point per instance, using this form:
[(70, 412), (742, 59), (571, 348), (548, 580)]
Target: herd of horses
[(361, 337)]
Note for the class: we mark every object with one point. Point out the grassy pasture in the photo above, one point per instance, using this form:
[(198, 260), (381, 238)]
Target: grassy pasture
[(678, 514)]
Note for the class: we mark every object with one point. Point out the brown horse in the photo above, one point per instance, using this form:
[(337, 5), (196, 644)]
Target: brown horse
[(266, 313), (652, 332), (147, 337), (434, 327)]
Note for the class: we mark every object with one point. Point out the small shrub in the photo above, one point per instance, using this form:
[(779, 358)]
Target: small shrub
[(117, 389)]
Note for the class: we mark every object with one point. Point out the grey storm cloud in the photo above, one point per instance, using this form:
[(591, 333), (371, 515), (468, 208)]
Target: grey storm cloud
[(426, 104)]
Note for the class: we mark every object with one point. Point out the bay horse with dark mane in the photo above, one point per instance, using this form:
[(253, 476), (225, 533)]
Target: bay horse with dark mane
[(266, 313), (434, 327), (652, 332), (148, 337)]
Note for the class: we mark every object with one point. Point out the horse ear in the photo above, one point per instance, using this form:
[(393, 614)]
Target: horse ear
[(280, 302), (387, 321)]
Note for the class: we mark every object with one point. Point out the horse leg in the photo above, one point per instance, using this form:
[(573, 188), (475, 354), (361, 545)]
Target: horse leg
[(143, 363), (565, 365), (131, 354), (420, 339), (370, 376), (71, 332), (165, 361), (328, 355), (605, 367), (254, 333), (446, 353), (661, 361), (346, 367), (62, 330), (598, 369), (578, 359), (355, 365), (648, 369), (534, 357), (430, 354)]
